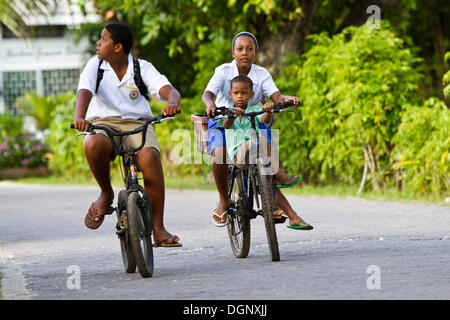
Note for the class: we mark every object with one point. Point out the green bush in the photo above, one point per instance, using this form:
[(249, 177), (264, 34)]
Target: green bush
[(179, 159), (39, 107), (68, 159), (10, 125), (355, 87), (421, 155)]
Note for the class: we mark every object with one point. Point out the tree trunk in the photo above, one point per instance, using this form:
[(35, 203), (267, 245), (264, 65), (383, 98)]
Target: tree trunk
[(288, 40)]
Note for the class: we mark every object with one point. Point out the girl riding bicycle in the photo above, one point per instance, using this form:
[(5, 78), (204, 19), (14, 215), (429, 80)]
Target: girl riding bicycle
[(238, 133), (244, 50)]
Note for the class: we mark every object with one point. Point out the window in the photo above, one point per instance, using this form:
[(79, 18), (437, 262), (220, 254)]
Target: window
[(16, 84), (60, 81)]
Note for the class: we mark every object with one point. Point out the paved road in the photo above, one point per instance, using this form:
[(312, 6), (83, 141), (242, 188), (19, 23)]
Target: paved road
[(358, 250)]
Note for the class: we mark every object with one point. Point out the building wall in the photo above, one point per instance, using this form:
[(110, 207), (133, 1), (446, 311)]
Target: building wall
[(45, 65)]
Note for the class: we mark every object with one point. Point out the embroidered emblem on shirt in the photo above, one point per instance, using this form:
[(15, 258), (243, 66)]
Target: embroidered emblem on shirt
[(134, 94)]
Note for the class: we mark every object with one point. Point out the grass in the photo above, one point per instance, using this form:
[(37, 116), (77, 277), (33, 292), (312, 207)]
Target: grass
[(199, 182)]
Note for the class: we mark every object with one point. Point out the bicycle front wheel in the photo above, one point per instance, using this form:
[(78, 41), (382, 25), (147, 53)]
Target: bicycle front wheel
[(238, 226), (140, 231), (266, 191), (122, 231)]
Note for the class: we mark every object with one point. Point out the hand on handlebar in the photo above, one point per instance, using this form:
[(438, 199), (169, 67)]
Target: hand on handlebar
[(294, 99), (81, 124), (211, 110), (171, 110), (237, 111), (269, 106)]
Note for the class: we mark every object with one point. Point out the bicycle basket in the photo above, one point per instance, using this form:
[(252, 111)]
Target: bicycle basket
[(200, 132)]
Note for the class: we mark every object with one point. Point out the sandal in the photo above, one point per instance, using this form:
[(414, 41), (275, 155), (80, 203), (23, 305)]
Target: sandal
[(296, 225), (93, 219), (279, 216), (166, 244), (220, 216), (284, 183)]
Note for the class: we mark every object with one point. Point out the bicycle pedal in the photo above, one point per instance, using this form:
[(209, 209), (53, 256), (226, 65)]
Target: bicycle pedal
[(279, 219), (120, 232)]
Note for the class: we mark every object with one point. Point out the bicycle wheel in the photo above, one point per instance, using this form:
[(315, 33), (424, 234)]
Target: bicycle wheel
[(140, 230), (122, 232), (265, 187), (238, 226)]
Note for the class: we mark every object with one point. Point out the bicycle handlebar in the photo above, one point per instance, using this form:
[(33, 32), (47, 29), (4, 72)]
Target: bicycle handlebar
[(111, 133), (278, 108)]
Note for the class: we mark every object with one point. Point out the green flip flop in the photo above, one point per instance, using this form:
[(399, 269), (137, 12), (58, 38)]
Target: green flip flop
[(284, 185), (296, 226)]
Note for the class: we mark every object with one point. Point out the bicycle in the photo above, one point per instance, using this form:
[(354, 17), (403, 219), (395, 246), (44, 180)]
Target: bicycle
[(250, 194), (134, 214)]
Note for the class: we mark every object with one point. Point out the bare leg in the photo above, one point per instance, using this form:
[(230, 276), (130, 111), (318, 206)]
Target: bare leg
[(220, 173), (280, 199), (150, 163), (98, 149)]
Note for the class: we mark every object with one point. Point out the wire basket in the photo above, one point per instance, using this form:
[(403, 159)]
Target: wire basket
[(200, 132)]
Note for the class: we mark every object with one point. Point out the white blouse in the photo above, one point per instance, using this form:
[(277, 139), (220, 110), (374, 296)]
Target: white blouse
[(219, 84)]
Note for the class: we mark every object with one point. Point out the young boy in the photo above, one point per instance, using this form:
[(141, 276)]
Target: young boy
[(116, 102), (238, 134)]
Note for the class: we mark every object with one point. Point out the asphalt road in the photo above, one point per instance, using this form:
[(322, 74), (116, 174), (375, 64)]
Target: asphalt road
[(358, 249)]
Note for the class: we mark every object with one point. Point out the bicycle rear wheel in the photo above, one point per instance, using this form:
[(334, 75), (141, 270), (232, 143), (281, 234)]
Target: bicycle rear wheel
[(265, 187), (238, 226), (122, 232), (140, 230)]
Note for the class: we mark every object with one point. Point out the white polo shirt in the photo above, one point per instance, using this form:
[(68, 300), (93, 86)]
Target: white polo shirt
[(219, 84), (116, 98)]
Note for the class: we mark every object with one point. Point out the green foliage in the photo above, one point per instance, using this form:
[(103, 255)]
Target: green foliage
[(10, 125), (355, 87), (68, 159), (177, 144), (22, 150), (210, 55), (421, 154), (446, 78), (39, 107)]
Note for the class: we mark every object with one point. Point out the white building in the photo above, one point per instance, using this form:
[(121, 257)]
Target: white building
[(48, 64)]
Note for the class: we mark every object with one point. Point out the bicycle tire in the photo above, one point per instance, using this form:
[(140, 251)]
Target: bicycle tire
[(128, 259), (265, 186), (238, 226), (139, 225)]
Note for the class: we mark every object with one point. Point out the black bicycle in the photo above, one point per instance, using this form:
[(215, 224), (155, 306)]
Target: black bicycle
[(251, 192), (134, 213)]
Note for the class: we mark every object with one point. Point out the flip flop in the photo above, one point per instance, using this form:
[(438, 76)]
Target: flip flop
[(220, 216), (165, 244), (296, 226), (93, 219), (284, 185), (279, 216)]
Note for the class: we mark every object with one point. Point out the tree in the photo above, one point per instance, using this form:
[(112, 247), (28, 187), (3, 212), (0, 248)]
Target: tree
[(12, 13)]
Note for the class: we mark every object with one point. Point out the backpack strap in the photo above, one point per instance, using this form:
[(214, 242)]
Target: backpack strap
[(138, 79), (99, 76)]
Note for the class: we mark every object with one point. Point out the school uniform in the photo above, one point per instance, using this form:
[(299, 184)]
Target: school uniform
[(219, 85), (118, 103)]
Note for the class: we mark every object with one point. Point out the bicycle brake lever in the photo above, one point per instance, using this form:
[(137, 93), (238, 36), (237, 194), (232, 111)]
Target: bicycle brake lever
[(166, 118), (87, 133)]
